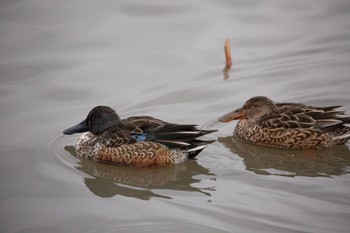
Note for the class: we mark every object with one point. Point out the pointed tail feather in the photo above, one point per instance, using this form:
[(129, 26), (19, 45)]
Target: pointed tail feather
[(345, 119), (183, 139), (341, 140), (199, 145), (184, 135), (174, 143)]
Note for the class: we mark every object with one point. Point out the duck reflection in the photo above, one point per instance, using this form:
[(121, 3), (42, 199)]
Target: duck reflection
[(141, 183), (271, 161)]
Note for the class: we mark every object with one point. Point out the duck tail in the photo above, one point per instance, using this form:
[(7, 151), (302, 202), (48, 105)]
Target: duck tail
[(342, 139), (346, 120), (198, 146), (184, 137)]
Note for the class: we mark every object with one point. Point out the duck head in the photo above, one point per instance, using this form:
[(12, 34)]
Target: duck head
[(99, 119), (253, 110)]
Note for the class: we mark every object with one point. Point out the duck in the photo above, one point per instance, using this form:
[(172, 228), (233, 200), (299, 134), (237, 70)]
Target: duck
[(141, 141), (289, 125)]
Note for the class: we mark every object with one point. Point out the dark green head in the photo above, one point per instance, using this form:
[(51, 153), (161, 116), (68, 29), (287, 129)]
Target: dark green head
[(99, 119)]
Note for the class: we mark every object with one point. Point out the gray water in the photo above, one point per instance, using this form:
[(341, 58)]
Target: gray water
[(58, 59)]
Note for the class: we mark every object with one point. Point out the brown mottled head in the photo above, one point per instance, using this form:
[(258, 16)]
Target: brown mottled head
[(99, 119), (253, 110)]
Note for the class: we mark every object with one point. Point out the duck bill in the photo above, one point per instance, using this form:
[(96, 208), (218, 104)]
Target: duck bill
[(234, 115), (79, 128)]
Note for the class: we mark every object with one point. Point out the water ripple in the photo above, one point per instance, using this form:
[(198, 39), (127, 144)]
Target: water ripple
[(59, 161)]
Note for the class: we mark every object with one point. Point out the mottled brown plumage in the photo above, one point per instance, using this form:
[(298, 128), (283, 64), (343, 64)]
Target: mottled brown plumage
[(138, 141), (143, 154), (289, 125)]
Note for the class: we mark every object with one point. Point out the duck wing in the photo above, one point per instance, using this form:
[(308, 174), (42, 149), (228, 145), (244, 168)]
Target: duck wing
[(290, 115), (145, 128), (328, 118)]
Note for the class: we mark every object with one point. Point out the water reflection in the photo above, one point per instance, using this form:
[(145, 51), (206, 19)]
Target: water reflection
[(141, 183), (226, 72), (271, 161)]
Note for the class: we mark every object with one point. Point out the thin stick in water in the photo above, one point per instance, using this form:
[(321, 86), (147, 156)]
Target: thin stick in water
[(228, 59), (228, 53)]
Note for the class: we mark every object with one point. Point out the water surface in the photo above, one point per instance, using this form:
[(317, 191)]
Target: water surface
[(58, 59)]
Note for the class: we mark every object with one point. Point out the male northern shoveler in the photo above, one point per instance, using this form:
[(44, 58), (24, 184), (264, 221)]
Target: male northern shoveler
[(140, 140), (289, 125)]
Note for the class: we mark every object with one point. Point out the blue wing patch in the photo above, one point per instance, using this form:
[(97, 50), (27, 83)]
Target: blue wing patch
[(140, 137)]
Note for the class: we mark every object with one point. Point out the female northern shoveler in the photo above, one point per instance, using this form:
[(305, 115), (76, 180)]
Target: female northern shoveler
[(289, 125), (140, 141)]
